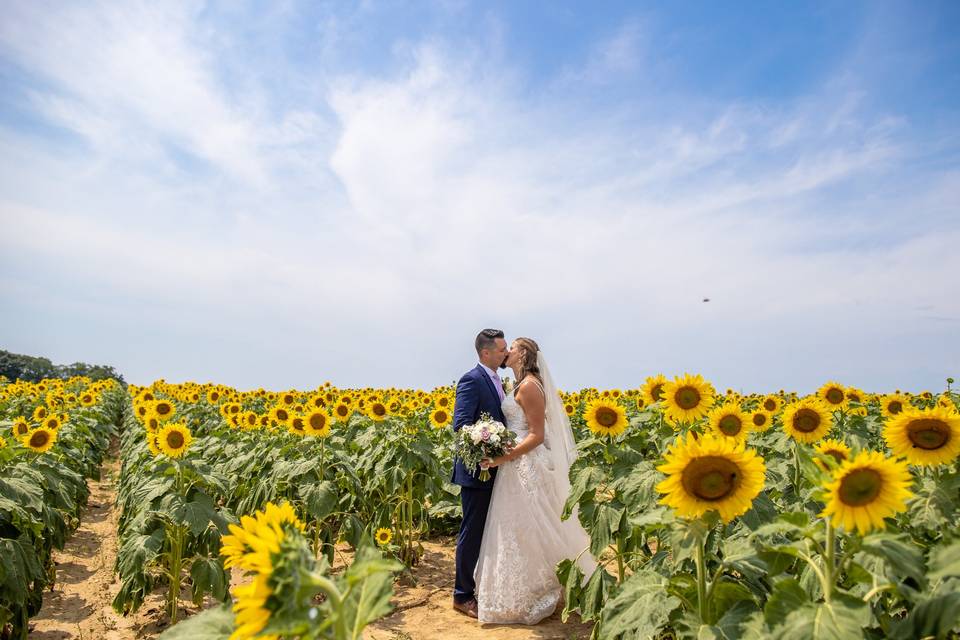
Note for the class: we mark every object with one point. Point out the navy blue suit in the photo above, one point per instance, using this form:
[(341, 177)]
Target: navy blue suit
[(476, 394)]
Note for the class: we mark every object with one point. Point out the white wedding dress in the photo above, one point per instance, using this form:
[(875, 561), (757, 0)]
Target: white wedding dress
[(524, 537)]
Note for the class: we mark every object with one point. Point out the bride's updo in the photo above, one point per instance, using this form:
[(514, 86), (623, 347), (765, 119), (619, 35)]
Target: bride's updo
[(528, 359)]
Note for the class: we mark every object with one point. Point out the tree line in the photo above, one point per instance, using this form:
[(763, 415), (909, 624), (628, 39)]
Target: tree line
[(15, 366)]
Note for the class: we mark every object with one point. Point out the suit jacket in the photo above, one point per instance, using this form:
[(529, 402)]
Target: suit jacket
[(476, 394)]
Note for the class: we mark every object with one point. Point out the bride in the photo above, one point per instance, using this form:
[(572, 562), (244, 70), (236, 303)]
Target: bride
[(524, 537)]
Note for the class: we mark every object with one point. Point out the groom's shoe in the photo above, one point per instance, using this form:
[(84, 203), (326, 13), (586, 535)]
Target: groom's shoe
[(468, 608)]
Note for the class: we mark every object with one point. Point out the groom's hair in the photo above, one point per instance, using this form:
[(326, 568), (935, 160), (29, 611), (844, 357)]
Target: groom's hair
[(487, 339)]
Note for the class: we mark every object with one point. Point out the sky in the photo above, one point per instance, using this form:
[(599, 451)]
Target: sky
[(278, 194)]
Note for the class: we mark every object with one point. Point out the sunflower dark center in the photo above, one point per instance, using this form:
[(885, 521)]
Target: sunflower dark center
[(606, 417), (730, 425), (318, 421), (342, 410), (806, 420), (297, 424), (163, 409), (928, 433), (39, 439), (860, 487), (687, 398), (837, 455), (657, 392), (441, 416), (711, 478), (834, 395), (895, 407), (769, 404), (379, 409), (175, 440), (759, 419)]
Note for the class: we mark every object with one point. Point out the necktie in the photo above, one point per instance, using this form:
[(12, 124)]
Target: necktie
[(498, 384)]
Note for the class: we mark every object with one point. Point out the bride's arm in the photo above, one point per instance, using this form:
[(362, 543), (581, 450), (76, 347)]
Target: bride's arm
[(531, 400)]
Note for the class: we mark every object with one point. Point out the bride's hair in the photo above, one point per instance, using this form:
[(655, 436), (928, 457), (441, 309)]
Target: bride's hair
[(528, 360)]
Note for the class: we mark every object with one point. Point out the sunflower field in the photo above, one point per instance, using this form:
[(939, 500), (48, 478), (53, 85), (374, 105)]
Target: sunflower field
[(727, 516), (714, 515), (53, 436)]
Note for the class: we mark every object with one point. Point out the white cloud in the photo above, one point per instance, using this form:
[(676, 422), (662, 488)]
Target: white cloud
[(365, 238)]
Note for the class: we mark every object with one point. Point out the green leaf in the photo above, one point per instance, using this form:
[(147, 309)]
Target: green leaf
[(371, 585), (640, 609), (208, 576), (320, 498), (935, 616), (842, 619), (212, 624), (900, 554), (595, 593), (571, 577), (945, 561), (200, 513), (585, 481), (787, 596)]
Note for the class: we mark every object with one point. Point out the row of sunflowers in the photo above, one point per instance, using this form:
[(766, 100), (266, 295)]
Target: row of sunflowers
[(53, 436)]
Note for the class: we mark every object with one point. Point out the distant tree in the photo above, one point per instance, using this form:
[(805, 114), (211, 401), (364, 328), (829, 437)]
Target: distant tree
[(34, 369)]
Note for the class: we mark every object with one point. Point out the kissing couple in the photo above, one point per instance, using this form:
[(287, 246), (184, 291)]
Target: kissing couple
[(511, 537)]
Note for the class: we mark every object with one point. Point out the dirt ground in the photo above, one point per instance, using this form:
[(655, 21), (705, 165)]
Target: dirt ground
[(79, 605)]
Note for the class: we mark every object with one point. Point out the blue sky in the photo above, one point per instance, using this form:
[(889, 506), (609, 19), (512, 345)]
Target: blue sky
[(279, 193)]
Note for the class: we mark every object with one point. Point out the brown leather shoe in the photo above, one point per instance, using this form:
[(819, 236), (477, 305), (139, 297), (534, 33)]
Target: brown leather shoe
[(468, 608)]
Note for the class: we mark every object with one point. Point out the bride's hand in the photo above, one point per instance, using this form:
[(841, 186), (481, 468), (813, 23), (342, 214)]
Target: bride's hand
[(487, 463)]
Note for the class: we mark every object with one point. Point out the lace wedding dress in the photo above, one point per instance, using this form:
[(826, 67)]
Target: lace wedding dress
[(524, 537)]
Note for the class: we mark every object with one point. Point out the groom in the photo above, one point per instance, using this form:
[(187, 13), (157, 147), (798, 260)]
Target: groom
[(478, 391)]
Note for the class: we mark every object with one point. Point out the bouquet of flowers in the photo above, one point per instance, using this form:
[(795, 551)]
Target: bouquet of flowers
[(487, 438)]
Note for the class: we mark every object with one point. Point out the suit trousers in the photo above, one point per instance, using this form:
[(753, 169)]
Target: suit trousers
[(475, 504)]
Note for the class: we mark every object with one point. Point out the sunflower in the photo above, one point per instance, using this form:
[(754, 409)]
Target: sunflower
[(771, 403), (251, 543), (443, 401), (383, 536), (440, 417), (687, 398), (297, 425), (20, 427), (40, 413), (710, 474), (280, 415), (569, 407), (834, 395), (213, 396), (250, 420), (605, 417), (40, 439), (652, 390), (377, 411), (88, 399), (52, 422), (317, 423), (174, 438), (807, 420), (865, 490), (836, 449), (252, 614), (760, 420), (729, 421), (288, 398), (152, 443), (342, 411), (894, 404), (924, 436), (164, 410)]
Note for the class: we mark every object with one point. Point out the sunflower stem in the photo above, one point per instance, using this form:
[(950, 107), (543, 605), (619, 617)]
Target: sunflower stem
[(702, 581), (828, 558), (621, 569)]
